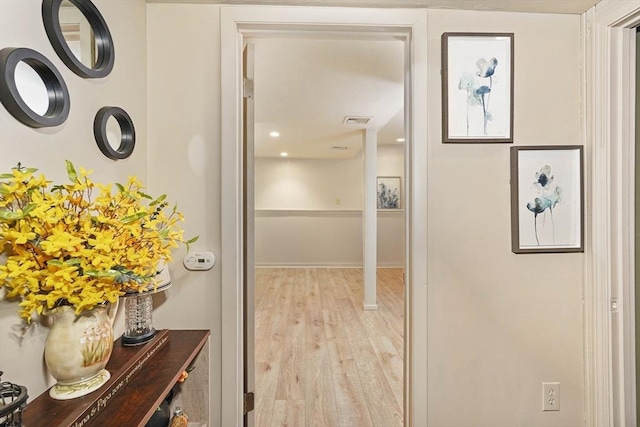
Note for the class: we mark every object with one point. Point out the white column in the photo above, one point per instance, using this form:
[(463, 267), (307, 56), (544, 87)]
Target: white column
[(370, 218)]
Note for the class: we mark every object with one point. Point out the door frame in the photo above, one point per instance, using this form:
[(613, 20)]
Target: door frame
[(609, 126), (409, 24)]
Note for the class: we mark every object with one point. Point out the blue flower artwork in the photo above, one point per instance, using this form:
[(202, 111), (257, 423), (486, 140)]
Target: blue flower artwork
[(388, 193), (547, 198), (478, 86)]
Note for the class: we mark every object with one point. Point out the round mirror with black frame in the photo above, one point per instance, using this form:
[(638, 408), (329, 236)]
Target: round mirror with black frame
[(101, 51), (38, 86), (105, 139)]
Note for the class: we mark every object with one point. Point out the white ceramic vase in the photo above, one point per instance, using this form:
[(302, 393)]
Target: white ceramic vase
[(78, 348)]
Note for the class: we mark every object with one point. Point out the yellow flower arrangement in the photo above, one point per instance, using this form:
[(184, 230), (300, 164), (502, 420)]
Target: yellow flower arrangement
[(63, 246)]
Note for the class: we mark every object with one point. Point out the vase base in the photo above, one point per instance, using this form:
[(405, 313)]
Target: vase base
[(80, 388)]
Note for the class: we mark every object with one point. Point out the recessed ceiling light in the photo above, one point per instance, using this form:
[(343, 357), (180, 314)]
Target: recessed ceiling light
[(284, 154), (400, 140), (274, 134)]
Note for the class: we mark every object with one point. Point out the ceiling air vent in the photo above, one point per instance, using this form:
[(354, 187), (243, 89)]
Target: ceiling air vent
[(356, 120)]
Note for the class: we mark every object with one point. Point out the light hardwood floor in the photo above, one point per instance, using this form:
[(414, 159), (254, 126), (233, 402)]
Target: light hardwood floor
[(321, 360)]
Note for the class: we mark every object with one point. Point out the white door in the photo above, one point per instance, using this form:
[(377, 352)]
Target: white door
[(248, 271)]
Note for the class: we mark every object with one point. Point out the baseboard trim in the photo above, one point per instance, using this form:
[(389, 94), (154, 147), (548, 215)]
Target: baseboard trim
[(320, 265), (308, 266)]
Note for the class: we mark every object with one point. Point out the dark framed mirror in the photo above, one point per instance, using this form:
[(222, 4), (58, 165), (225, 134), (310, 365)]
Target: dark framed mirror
[(114, 133), (80, 36), (32, 89)]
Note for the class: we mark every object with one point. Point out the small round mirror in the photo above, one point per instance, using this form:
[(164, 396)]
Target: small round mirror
[(32, 89), (80, 36), (114, 132)]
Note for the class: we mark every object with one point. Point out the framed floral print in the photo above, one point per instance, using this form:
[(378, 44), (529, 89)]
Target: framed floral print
[(477, 87), (547, 199)]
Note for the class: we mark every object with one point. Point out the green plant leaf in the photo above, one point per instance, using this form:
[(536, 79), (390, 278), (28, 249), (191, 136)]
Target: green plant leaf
[(104, 273), (6, 175), (10, 215), (120, 187), (158, 200), (191, 240), (29, 208), (55, 262), (131, 218), (71, 171)]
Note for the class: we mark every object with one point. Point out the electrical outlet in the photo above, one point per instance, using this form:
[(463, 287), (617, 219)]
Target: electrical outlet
[(551, 396)]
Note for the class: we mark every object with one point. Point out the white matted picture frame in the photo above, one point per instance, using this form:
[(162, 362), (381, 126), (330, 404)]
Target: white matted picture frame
[(477, 87), (547, 199), (389, 192)]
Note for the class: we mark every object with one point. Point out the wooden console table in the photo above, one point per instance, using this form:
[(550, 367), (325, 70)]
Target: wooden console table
[(141, 377)]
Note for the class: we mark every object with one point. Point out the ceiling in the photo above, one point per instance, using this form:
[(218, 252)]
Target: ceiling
[(539, 6), (306, 87)]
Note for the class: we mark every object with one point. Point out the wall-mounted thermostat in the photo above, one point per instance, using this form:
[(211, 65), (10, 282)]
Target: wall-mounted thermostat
[(201, 260)]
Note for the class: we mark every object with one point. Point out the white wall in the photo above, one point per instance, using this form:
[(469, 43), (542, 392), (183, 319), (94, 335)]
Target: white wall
[(311, 238), (309, 211), (183, 43), (500, 323), (391, 163), (310, 184), (319, 184), (47, 148)]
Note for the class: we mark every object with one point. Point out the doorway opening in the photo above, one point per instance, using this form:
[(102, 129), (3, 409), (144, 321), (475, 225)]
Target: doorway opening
[(238, 24), (320, 357)]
